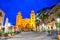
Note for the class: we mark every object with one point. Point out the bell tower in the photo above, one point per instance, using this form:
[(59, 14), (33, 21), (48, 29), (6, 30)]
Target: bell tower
[(32, 18), (18, 19)]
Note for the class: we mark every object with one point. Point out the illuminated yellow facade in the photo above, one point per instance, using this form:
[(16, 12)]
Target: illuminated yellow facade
[(18, 19), (32, 20), (26, 23)]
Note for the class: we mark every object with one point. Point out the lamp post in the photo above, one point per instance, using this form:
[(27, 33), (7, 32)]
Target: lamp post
[(43, 27), (58, 27), (58, 23)]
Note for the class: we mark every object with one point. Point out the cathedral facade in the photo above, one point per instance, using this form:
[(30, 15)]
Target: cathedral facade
[(26, 23)]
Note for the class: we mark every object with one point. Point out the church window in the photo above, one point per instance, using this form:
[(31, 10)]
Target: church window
[(32, 18), (32, 15)]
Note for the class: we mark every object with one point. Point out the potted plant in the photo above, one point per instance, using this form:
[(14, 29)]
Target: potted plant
[(3, 34), (10, 32)]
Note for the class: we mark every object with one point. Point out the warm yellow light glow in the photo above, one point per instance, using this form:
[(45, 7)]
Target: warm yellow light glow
[(26, 22)]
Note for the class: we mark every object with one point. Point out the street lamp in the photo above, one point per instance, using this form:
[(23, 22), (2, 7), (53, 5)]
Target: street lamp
[(37, 18), (58, 26), (57, 19), (58, 23), (43, 26)]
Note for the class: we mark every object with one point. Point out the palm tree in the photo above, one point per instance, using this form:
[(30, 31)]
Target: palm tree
[(43, 15)]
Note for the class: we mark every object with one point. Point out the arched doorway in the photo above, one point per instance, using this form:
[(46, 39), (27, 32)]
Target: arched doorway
[(28, 27)]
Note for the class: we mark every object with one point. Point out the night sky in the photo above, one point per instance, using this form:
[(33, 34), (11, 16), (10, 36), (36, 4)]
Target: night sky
[(11, 7)]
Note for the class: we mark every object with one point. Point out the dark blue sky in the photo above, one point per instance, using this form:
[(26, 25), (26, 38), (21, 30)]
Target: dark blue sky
[(11, 7)]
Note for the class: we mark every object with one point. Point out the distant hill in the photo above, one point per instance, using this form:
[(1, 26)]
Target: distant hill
[(52, 13)]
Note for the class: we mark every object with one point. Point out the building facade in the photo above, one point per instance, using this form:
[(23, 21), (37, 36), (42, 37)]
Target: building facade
[(26, 23), (2, 14)]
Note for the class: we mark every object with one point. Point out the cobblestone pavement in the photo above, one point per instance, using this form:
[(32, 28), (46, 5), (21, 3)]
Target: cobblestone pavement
[(30, 36)]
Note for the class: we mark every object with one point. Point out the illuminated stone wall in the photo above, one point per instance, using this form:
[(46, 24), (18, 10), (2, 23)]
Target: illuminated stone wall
[(26, 22), (2, 14)]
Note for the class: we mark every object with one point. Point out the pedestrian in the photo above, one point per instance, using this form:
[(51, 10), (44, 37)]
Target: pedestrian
[(48, 31)]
